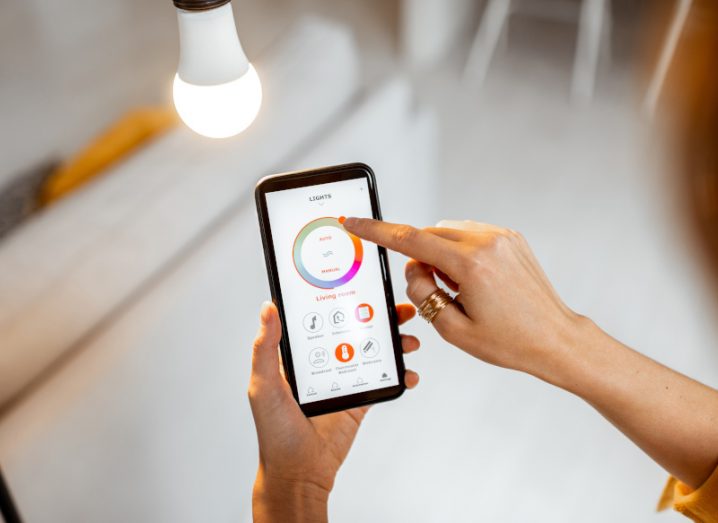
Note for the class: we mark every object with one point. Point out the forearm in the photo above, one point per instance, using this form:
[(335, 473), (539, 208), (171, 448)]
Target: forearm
[(673, 418), (281, 501)]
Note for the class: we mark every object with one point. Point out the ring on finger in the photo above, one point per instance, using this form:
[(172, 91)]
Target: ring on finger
[(436, 302)]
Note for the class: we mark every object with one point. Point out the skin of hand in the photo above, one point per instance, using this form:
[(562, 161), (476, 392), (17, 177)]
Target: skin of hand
[(298, 456), (507, 313)]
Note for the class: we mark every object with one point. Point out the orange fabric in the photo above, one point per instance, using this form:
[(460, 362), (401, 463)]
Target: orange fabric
[(701, 505), (124, 136)]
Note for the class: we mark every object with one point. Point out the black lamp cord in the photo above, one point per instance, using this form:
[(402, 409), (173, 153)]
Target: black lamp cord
[(7, 505)]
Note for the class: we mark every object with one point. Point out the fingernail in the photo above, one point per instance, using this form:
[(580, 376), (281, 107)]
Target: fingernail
[(263, 310), (349, 222)]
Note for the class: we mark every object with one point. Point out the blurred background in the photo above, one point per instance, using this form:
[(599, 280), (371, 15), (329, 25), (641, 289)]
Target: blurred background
[(131, 269)]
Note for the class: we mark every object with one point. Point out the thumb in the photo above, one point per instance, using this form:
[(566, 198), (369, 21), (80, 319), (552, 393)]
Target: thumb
[(265, 358)]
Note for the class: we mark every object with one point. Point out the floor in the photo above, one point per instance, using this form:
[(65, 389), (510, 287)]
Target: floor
[(590, 190)]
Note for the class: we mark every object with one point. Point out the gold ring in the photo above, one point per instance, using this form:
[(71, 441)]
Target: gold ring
[(434, 304)]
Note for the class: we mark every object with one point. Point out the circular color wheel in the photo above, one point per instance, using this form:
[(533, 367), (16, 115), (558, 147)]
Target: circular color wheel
[(302, 270)]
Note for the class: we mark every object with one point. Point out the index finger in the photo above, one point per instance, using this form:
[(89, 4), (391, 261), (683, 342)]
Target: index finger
[(410, 241)]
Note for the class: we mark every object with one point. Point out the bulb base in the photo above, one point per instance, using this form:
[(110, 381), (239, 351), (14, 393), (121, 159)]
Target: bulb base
[(210, 51), (199, 5)]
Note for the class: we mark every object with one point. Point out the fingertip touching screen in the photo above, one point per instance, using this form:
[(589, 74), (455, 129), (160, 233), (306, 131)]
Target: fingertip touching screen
[(332, 290)]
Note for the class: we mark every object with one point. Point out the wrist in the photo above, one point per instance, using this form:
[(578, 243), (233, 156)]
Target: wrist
[(277, 499), (569, 359)]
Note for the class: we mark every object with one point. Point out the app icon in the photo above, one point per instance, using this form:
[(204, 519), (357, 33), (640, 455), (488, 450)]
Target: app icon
[(335, 386), (313, 322), (364, 313), (311, 391), (369, 348), (318, 357), (344, 352), (338, 317)]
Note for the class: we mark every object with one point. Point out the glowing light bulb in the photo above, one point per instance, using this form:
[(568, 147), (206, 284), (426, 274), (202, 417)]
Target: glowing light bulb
[(219, 111), (217, 92)]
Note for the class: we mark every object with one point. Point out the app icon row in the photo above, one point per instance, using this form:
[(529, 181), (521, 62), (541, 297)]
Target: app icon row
[(338, 318), (344, 353), (311, 391), (335, 387)]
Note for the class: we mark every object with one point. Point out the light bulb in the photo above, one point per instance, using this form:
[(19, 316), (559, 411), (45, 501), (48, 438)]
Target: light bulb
[(219, 111), (217, 92)]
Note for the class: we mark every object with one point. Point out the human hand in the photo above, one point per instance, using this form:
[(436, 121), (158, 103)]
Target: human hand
[(506, 311), (298, 456)]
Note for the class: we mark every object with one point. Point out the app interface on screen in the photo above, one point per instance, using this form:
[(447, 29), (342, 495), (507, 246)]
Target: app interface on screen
[(333, 291)]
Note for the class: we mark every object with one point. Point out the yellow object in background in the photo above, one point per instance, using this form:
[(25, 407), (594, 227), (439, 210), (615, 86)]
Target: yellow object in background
[(123, 137)]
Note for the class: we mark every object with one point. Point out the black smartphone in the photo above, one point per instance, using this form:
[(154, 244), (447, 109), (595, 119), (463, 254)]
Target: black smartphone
[(340, 339)]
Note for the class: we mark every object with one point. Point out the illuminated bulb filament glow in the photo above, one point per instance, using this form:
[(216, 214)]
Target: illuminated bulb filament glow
[(219, 111)]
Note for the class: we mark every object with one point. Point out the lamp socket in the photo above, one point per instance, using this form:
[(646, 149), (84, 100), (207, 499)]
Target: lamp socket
[(199, 5)]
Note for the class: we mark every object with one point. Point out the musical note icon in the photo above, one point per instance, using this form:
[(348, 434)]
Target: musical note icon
[(313, 322)]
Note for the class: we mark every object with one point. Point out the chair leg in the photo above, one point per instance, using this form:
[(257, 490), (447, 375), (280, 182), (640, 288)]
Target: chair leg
[(606, 31), (683, 7), (487, 38), (588, 49)]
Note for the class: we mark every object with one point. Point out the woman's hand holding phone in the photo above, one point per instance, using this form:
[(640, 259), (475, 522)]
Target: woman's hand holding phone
[(298, 456)]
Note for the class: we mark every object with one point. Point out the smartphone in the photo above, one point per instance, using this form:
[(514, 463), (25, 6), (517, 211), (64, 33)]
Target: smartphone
[(340, 339)]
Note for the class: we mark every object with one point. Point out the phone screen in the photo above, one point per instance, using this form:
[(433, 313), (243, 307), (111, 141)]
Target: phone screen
[(332, 291)]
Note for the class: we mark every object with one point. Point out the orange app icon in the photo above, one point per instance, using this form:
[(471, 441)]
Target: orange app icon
[(364, 312), (344, 352)]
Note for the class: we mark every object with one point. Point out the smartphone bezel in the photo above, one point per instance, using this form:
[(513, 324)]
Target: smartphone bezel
[(293, 180)]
